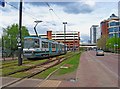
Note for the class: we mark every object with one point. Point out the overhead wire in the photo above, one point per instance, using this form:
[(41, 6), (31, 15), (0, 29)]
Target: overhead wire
[(23, 10), (48, 5), (50, 8)]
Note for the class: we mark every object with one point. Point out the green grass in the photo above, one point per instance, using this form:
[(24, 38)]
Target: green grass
[(74, 61), (8, 62), (12, 69), (16, 68), (14, 63)]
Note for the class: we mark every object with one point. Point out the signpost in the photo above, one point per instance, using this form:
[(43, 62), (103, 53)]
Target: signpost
[(115, 45)]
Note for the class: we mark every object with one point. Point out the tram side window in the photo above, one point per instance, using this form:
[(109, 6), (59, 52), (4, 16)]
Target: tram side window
[(36, 43), (44, 44), (53, 45)]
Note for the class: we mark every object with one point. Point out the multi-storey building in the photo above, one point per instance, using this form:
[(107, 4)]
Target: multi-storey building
[(94, 33), (110, 27), (113, 26), (71, 38)]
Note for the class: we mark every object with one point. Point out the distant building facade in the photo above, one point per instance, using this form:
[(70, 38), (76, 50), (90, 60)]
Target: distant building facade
[(94, 33), (104, 28), (110, 27), (72, 38)]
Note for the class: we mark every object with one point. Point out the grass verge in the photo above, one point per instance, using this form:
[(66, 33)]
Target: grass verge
[(16, 67)]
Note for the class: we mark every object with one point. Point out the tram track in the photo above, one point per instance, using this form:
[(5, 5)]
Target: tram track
[(42, 67), (13, 64), (33, 66)]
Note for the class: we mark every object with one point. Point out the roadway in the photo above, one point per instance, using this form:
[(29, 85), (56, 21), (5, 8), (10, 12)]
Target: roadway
[(98, 71)]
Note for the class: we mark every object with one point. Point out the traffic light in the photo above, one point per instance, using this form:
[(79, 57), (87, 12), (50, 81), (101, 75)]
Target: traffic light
[(2, 3)]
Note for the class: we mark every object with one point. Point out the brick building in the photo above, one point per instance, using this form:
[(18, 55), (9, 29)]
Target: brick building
[(72, 38), (104, 28)]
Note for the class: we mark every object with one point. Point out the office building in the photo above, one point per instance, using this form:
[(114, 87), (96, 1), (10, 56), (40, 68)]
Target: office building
[(94, 34)]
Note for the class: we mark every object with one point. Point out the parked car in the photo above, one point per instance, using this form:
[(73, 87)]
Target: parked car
[(99, 53)]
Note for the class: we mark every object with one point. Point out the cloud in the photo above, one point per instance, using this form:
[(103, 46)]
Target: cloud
[(76, 7), (71, 7), (84, 38), (36, 3)]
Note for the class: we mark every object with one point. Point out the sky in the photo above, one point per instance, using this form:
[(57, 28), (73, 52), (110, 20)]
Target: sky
[(79, 15)]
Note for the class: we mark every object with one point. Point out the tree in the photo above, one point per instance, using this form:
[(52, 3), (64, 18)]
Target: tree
[(101, 43), (113, 43), (10, 36)]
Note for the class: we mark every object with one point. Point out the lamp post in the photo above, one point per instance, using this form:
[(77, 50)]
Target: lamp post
[(64, 35), (36, 25), (115, 41), (74, 41)]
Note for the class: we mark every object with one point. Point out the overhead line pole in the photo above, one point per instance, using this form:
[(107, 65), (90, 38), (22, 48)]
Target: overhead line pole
[(20, 35)]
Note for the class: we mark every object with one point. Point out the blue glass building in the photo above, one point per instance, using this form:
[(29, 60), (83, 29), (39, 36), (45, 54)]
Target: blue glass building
[(113, 26)]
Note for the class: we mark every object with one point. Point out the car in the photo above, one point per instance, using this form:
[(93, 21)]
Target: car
[(99, 53)]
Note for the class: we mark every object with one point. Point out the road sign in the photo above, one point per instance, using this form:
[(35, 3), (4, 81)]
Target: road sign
[(115, 44), (18, 39), (2, 3)]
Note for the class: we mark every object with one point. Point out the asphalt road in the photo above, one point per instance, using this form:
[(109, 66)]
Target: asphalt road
[(98, 71)]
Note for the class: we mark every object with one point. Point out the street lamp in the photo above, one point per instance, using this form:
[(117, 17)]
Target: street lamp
[(64, 35), (36, 25), (74, 41), (115, 41)]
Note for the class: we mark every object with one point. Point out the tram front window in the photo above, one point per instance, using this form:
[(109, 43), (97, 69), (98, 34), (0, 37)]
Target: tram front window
[(31, 43)]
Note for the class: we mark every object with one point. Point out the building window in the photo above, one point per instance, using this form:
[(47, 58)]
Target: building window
[(110, 35), (115, 29), (111, 30), (114, 23)]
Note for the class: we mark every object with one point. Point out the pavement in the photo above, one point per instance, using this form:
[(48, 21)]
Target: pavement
[(8, 58), (93, 71)]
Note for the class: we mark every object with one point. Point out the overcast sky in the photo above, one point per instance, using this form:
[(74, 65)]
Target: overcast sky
[(80, 16)]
